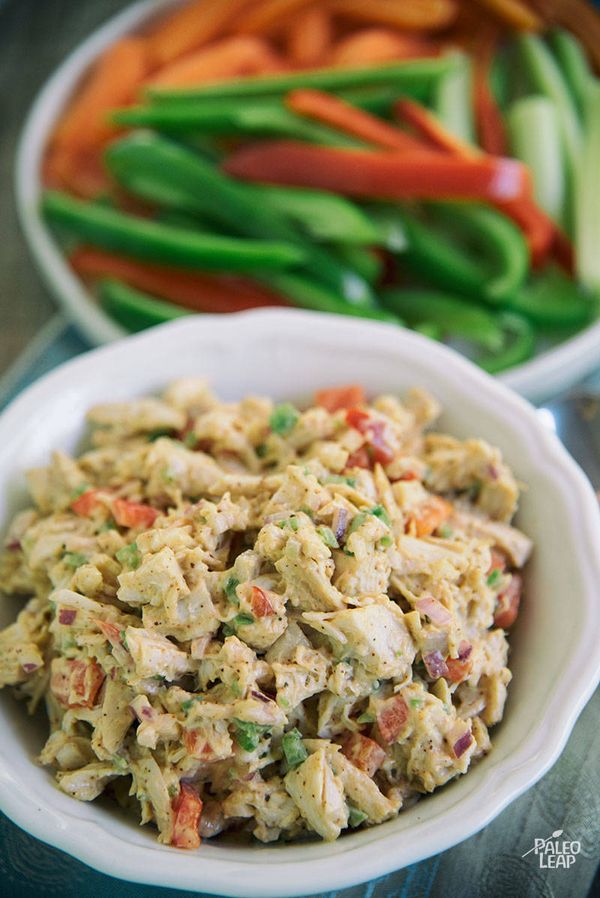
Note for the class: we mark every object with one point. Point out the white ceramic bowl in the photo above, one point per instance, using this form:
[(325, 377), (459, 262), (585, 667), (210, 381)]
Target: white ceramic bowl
[(555, 651), (545, 375)]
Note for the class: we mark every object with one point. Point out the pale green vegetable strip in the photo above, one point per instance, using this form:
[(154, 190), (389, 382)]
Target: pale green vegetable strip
[(546, 77), (573, 63), (535, 140), (454, 98), (587, 205)]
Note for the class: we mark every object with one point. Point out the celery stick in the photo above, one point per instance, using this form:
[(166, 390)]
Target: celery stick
[(574, 64), (453, 98), (546, 76), (535, 140), (587, 205)]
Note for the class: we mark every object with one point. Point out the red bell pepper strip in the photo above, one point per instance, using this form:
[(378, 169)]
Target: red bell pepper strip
[(187, 808), (335, 398), (199, 292), (431, 129), (379, 175), (491, 130)]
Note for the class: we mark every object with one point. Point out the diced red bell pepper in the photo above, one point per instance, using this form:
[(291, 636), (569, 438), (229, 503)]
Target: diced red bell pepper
[(359, 459), (374, 430), (364, 753), (392, 718), (507, 607), (197, 746), (335, 398), (187, 809), (261, 606), (498, 562), (86, 503), (133, 514), (72, 677)]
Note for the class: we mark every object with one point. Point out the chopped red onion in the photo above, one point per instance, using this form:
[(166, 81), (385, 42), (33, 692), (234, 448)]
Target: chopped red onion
[(462, 744), (339, 524), (435, 665), (66, 616), (436, 612), (261, 697), (14, 545), (30, 667), (493, 472), (464, 650)]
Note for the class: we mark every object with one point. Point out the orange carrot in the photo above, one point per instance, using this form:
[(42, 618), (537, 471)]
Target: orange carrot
[(309, 37), (491, 131), (113, 82), (192, 26), (430, 127), (79, 171), (514, 14), (424, 15), (268, 15), (372, 45), (425, 174), (202, 293), (330, 110), (229, 58)]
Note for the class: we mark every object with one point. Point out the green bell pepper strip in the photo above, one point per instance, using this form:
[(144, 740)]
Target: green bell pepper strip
[(324, 217), (405, 76), (498, 239), (162, 171), (362, 260), (133, 309), (452, 316), (218, 118), (498, 270), (554, 301), (573, 63), (520, 345), (310, 295), (154, 242)]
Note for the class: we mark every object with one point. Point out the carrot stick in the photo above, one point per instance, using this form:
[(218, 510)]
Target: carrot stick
[(202, 293), (330, 110), (380, 175), (309, 37), (514, 14), (268, 15), (192, 26), (79, 171), (113, 82), (229, 58), (491, 131), (430, 127), (371, 45), (426, 15)]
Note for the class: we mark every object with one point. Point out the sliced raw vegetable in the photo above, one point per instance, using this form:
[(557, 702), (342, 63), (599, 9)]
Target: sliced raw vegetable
[(573, 63), (553, 300), (515, 14), (453, 99), (322, 216), (246, 118), (380, 175), (159, 169), (133, 309), (310, 295), (545, 75), (362, 260), (587, 204), (426, 15), (145, 239), (520, 340), (535, 140), (452, 315), (406, 77)]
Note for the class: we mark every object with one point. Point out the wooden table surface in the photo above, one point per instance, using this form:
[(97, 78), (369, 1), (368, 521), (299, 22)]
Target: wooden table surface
[(35, 36)]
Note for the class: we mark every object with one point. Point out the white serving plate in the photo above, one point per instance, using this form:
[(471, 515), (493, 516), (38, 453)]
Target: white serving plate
[(545, 375), (555, 650)]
